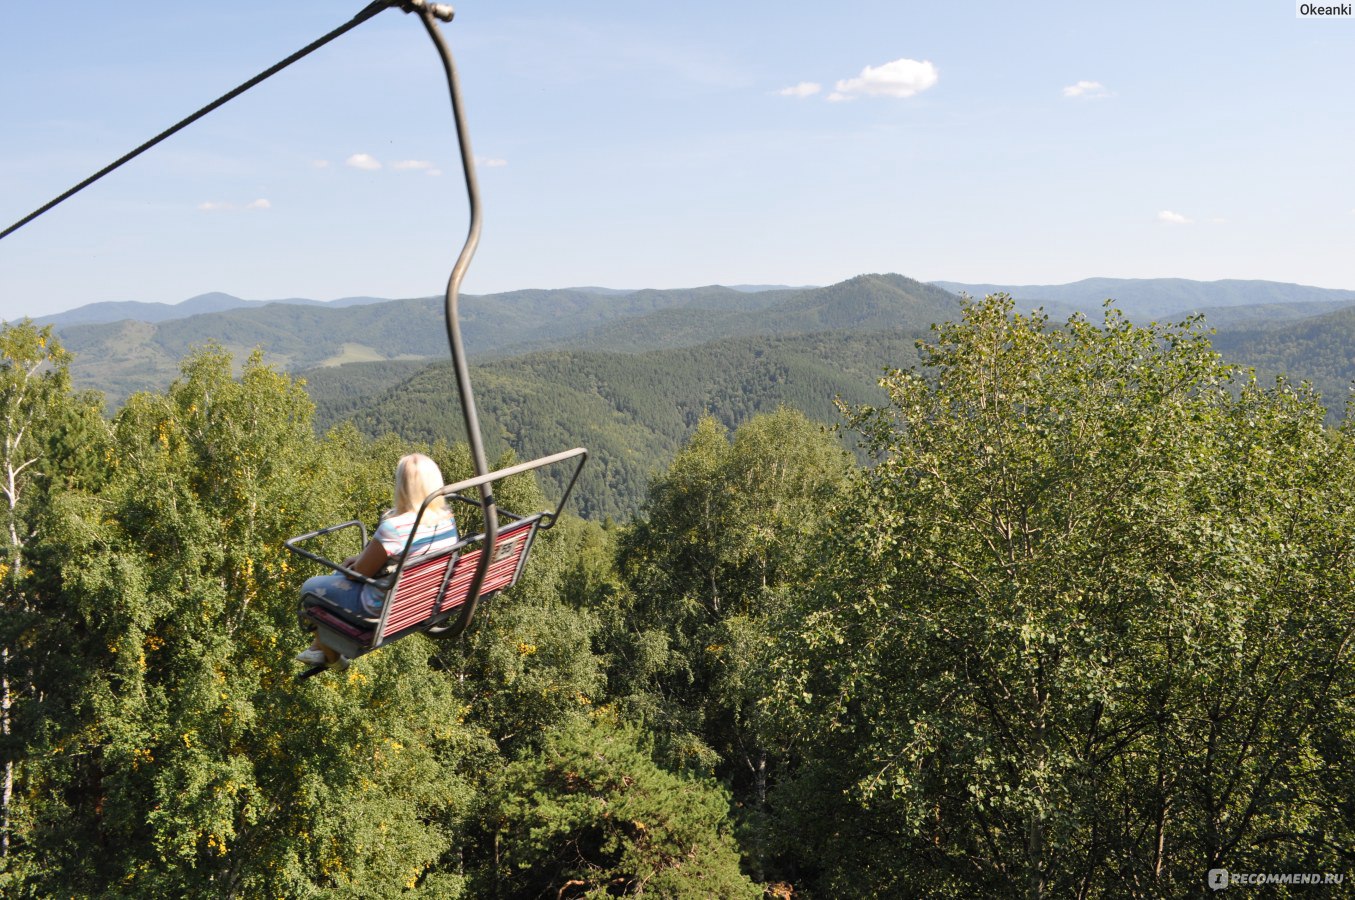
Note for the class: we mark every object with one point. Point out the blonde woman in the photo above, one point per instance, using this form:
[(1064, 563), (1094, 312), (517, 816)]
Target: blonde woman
[(416, 476)]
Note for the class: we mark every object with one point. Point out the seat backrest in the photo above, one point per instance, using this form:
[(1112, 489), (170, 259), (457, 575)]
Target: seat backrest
[(412, 600), (510, 552)]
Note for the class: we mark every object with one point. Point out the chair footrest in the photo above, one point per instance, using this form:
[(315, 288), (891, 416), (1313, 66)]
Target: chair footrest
[(312, 672), (314, 601), (331, 620)]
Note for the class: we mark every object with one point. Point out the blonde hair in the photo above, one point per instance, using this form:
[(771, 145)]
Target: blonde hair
[(417, 476)]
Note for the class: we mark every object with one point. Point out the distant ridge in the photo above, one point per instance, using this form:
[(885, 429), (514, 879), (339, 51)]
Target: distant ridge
[(744, 288), (1152, 297), (601, 291), (107, 312), (758, 288), (1138, 297), (866, 303)]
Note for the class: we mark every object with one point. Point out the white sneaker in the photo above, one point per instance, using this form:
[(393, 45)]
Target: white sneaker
[(340, 664), (311, 657)]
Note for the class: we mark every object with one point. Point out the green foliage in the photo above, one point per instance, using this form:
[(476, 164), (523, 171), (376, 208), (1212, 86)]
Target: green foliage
[(1081, 627), (726, 539), (165, 725), (1087, 628), (49, 441), (171, 591), (591, 815), (159, 719)]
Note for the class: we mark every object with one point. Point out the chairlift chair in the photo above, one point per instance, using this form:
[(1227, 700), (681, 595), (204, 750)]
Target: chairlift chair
[(437, 594)]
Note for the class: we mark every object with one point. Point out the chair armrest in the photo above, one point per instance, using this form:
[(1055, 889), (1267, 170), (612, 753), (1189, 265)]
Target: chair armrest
[(291, 544)]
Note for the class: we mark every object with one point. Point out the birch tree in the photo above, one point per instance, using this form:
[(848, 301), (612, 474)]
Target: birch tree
[(1088, 629), (38, 418)]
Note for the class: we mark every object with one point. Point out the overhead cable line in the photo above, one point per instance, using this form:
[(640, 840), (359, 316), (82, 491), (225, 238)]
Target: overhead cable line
[(439, 11)]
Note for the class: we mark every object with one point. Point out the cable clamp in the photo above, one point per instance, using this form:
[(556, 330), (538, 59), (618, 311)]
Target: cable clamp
[(442, 11)]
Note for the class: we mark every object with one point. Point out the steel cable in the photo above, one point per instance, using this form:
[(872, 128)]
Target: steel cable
[(367, 13)]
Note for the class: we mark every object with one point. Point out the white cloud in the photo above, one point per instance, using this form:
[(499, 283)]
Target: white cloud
[(434, 172), (1172, 218), (1087, 89), (801, 90), (491, 162), (900, 78), (363, 161), (412, 165), (320, 163), (215, 206)]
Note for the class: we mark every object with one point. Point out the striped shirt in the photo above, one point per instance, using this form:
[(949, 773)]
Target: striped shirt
[(393, 534)]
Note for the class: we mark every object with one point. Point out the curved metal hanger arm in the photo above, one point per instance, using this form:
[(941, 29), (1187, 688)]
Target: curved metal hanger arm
[(452, 300)]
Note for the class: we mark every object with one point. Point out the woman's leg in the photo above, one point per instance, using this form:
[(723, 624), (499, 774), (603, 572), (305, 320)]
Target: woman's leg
[(339, 590)]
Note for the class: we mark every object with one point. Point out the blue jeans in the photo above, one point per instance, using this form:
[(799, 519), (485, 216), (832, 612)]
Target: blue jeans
[(343, 592)]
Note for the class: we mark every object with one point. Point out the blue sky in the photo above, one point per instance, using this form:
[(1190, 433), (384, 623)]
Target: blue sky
[(631, 145)]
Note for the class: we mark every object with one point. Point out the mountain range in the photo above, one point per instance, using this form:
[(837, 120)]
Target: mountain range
[(628, 373), (141, 311), (142, 349), (129, 355)]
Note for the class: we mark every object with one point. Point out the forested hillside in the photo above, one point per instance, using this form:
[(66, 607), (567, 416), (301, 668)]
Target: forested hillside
[(1082, 627), (632, 411), (122, 357), (1320, 350)]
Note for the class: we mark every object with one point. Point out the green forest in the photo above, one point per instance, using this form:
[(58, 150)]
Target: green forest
[(1075, 619), (632, 410)]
